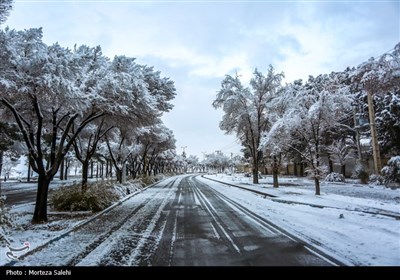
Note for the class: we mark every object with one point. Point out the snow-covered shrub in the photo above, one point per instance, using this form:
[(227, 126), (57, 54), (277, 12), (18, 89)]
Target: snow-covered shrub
[(127, 188), (391, 172), (360, 172), (376, 179), (96, 198), (148, 180), (6, 221), (335, 177), (319, 172)]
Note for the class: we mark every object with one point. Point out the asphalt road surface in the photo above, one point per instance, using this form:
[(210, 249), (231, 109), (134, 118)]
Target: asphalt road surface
[(178, 222), (22, 192), (18, 193)]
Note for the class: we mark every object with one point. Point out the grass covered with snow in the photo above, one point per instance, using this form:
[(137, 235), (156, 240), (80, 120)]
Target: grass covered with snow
[(358, 224)]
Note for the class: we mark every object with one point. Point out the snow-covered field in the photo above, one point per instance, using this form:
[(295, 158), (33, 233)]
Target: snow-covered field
[(357, 224)]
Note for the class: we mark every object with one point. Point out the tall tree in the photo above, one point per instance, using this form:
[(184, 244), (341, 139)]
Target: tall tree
[(39, 92), (315, 108), (245, 110)]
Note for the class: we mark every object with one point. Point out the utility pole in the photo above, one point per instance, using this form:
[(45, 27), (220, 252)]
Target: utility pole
[(374, 136)]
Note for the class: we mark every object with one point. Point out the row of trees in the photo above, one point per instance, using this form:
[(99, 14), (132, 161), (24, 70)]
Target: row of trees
[(62, 101), (323, 116)]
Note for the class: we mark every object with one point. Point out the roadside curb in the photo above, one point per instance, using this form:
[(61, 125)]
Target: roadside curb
[(236, 186), (282, 200), (85, 222)]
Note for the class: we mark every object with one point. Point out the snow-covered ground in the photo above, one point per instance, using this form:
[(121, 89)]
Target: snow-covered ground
[(355, 223), (59, 222)]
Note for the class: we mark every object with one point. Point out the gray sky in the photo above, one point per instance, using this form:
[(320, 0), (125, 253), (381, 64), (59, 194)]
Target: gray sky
[(196, 43)]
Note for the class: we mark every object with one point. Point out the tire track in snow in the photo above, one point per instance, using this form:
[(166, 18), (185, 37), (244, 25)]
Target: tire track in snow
[(133, 235)]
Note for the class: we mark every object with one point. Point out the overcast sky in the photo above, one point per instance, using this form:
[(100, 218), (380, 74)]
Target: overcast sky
[(196, 43)]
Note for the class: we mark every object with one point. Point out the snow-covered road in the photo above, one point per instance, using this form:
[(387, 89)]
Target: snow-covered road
[(180, 221)]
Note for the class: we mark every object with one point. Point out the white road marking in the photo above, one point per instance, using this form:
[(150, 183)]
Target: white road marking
[(207, 204)]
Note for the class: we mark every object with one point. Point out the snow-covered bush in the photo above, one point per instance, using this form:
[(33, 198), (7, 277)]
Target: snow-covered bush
[(318, 172), (148, 180), (128, 188), (335, 177), (391, 172), (360, 172), (6, 220), (376, 179), (96, 198)]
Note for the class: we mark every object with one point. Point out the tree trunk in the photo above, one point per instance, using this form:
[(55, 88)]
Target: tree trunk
[(118, 172), (343, 170), (66, 169), (295, 169), (330, 162), (62, 170), (1, 166), (123, 173), (317, 173), (29, 172), (275, 179), (85, 171), (317, 187), (301, 169), (91, 169), (106, 168), (40, 213), (255, 174), (275, 172)]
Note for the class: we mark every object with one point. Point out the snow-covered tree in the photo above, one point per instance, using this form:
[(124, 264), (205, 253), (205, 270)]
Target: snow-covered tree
[(5, 8), (53, 94), (387, 113), (154, 141), (217, 161), (317, 107), (38, 90), (391, 171), (121, 144), (85, 146), (8, 135), (341, 151), (380, 77), (245, 110)]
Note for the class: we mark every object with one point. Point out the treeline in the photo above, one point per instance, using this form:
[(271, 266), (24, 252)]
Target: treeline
[(77, 103), (327, 115)]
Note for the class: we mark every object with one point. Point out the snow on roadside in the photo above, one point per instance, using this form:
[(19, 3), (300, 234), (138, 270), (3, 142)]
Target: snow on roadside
[(59, 222), (360, 238), (347, 196), (24, 231)]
